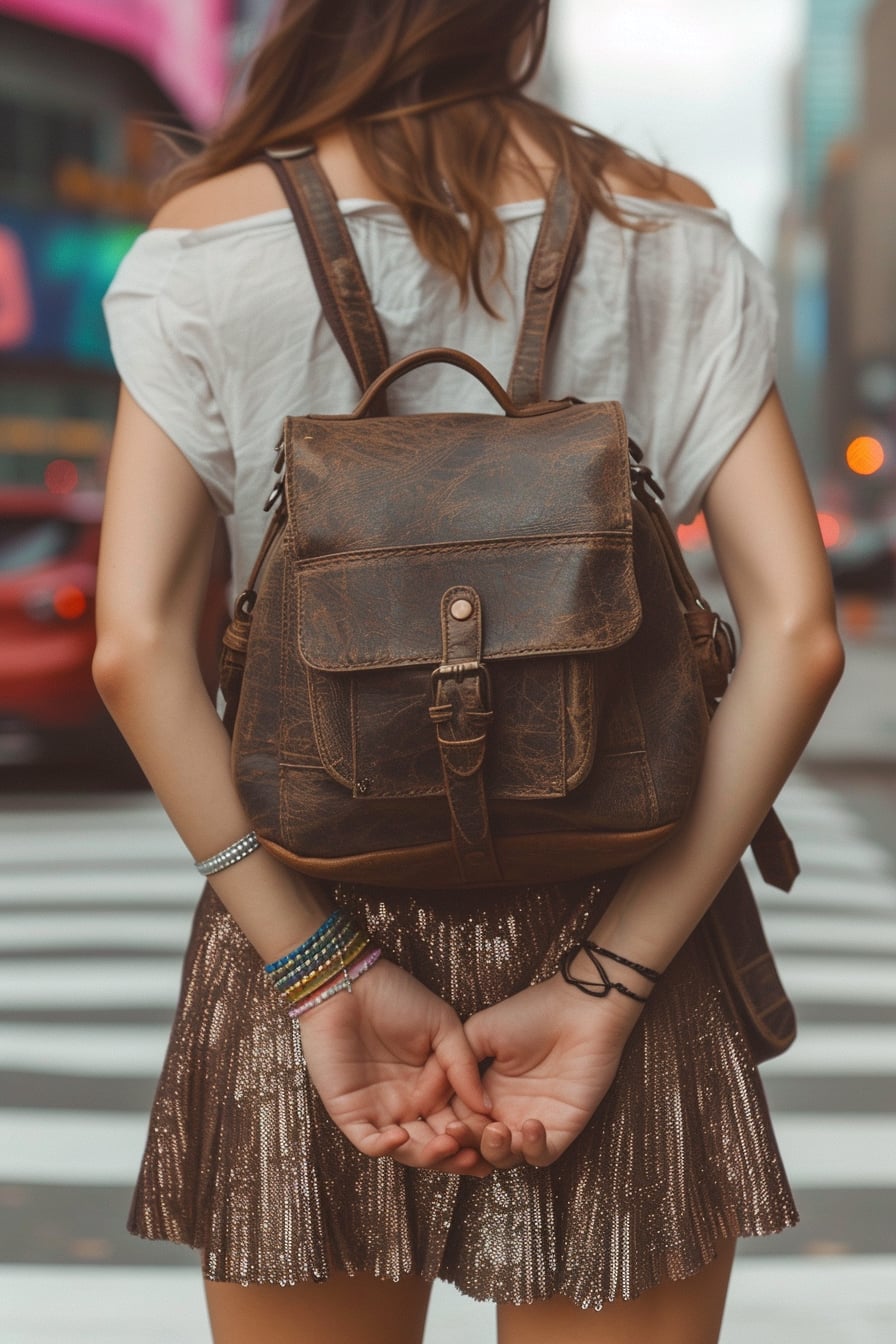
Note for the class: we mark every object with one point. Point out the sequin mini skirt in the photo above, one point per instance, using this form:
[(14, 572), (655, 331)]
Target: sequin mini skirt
[(243, 1162)]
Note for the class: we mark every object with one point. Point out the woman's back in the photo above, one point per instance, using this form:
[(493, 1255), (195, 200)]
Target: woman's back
[(218, 332)]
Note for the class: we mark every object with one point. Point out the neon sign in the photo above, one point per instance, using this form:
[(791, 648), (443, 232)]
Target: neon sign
[(54, 271)]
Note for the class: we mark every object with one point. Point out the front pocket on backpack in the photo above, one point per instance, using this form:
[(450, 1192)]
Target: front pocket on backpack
[(375, 736)]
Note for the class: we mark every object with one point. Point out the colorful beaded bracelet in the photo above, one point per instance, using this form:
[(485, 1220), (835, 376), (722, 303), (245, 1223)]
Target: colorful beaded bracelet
[(344, 981), (336, 966), (309, 944), (331, 946)]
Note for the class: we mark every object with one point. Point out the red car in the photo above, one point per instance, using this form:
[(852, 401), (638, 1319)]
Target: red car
[(49, 706)]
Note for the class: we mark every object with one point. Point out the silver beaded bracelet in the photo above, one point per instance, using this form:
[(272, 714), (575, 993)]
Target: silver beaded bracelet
[(240, 849)]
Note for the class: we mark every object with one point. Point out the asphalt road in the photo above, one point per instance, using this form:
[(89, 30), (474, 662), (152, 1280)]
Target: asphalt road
[(99, 884)]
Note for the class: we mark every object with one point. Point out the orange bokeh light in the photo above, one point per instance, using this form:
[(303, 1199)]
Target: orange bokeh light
[(693, 536), (865, 455), (61, 476), (69, 602), (830, 529)]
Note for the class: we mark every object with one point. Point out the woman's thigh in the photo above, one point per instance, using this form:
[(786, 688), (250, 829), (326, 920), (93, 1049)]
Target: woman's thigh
[(681, 1311), (359, 1308)]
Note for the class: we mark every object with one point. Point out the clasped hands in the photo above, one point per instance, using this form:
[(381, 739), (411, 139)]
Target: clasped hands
[(399, 1074)]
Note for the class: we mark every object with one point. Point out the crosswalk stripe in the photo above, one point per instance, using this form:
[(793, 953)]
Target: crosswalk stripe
[(82, 849), (842, 1151), (85, 983), (826, 1298), (845, 854), (163, 931), (866, 1049), (133, 1051), (119, 884), (154, 980), (167, 931), (827, 932), (818, 979), (136, 1050), (69, 1147), (851, 895)]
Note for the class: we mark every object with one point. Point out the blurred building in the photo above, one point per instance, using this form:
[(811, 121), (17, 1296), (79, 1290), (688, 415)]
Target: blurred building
[(80, 83), (825, 110), (859, 225)]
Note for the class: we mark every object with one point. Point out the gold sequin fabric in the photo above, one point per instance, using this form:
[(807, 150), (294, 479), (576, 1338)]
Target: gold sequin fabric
[(243, 1162)]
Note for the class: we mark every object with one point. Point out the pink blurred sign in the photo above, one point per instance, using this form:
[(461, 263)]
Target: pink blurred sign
[(183, 42)]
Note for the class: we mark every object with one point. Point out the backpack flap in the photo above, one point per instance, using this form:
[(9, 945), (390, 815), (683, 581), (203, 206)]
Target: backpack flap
[(549, 571)]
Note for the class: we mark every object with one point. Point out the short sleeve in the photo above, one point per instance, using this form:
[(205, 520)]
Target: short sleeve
[(163, 348), (726, 333)]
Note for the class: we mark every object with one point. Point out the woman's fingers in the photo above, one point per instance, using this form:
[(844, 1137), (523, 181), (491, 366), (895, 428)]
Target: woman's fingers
[(496, 1146), (461, 1068), (467, 1132), (535, 1144), (375, 1142)]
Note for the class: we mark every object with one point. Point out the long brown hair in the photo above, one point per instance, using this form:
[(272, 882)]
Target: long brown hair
[(432, 94)]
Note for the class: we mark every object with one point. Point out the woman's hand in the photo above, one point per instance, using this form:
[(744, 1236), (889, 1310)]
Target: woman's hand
[(386, 1061), (554, 1052)]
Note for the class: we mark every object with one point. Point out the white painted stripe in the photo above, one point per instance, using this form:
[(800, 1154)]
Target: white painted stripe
[(851, 895), (847, 854), (71, 819), (844, 1151), (164, 931), (823, 1299), (86, 849), (104, 1148), (134, 1051), (107, 884), (149, 982), (78, 1304), (797, 806), (70, 1147), (823, 932), (838, 979), (828, 1299), (833, 1050)]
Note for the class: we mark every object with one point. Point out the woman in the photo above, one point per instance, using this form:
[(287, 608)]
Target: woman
[(615, 1147)]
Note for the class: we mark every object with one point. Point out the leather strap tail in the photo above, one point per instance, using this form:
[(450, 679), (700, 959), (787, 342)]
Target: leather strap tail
[(461, 713)]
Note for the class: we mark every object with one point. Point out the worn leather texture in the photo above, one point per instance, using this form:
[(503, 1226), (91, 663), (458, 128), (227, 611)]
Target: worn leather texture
[(568, 706)]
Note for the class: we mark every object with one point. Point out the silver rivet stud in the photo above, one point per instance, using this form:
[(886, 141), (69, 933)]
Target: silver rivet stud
[(461, 609)]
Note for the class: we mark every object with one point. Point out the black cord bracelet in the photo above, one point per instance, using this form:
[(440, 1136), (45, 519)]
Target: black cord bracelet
[(600, 991)]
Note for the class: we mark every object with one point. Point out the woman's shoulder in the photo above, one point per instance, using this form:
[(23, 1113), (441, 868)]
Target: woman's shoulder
[(642, 180), (242, 193)]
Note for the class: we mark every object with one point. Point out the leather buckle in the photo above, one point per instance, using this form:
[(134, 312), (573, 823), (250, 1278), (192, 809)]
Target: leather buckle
[(460, 671)]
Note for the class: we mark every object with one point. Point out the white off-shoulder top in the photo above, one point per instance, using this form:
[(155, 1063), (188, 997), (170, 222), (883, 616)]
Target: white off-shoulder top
[(218, 334)]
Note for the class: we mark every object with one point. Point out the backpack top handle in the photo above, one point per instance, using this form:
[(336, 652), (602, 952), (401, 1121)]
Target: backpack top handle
[(445, 355)]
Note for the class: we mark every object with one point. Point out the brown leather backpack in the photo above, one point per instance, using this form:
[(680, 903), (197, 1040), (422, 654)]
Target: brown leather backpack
[(470, 652)]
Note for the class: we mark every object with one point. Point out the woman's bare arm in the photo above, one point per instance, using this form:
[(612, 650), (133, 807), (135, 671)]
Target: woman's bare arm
[(555, 1051), (764, 531), (158, 532), (385, 1059)]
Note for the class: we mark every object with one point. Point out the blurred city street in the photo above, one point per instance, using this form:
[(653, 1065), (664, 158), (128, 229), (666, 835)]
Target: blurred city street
[(785, 111), (99, 884)]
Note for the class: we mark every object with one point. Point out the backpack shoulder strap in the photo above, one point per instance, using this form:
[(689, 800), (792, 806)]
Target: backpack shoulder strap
[(557, 248), (345, 297), (335, 269)]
